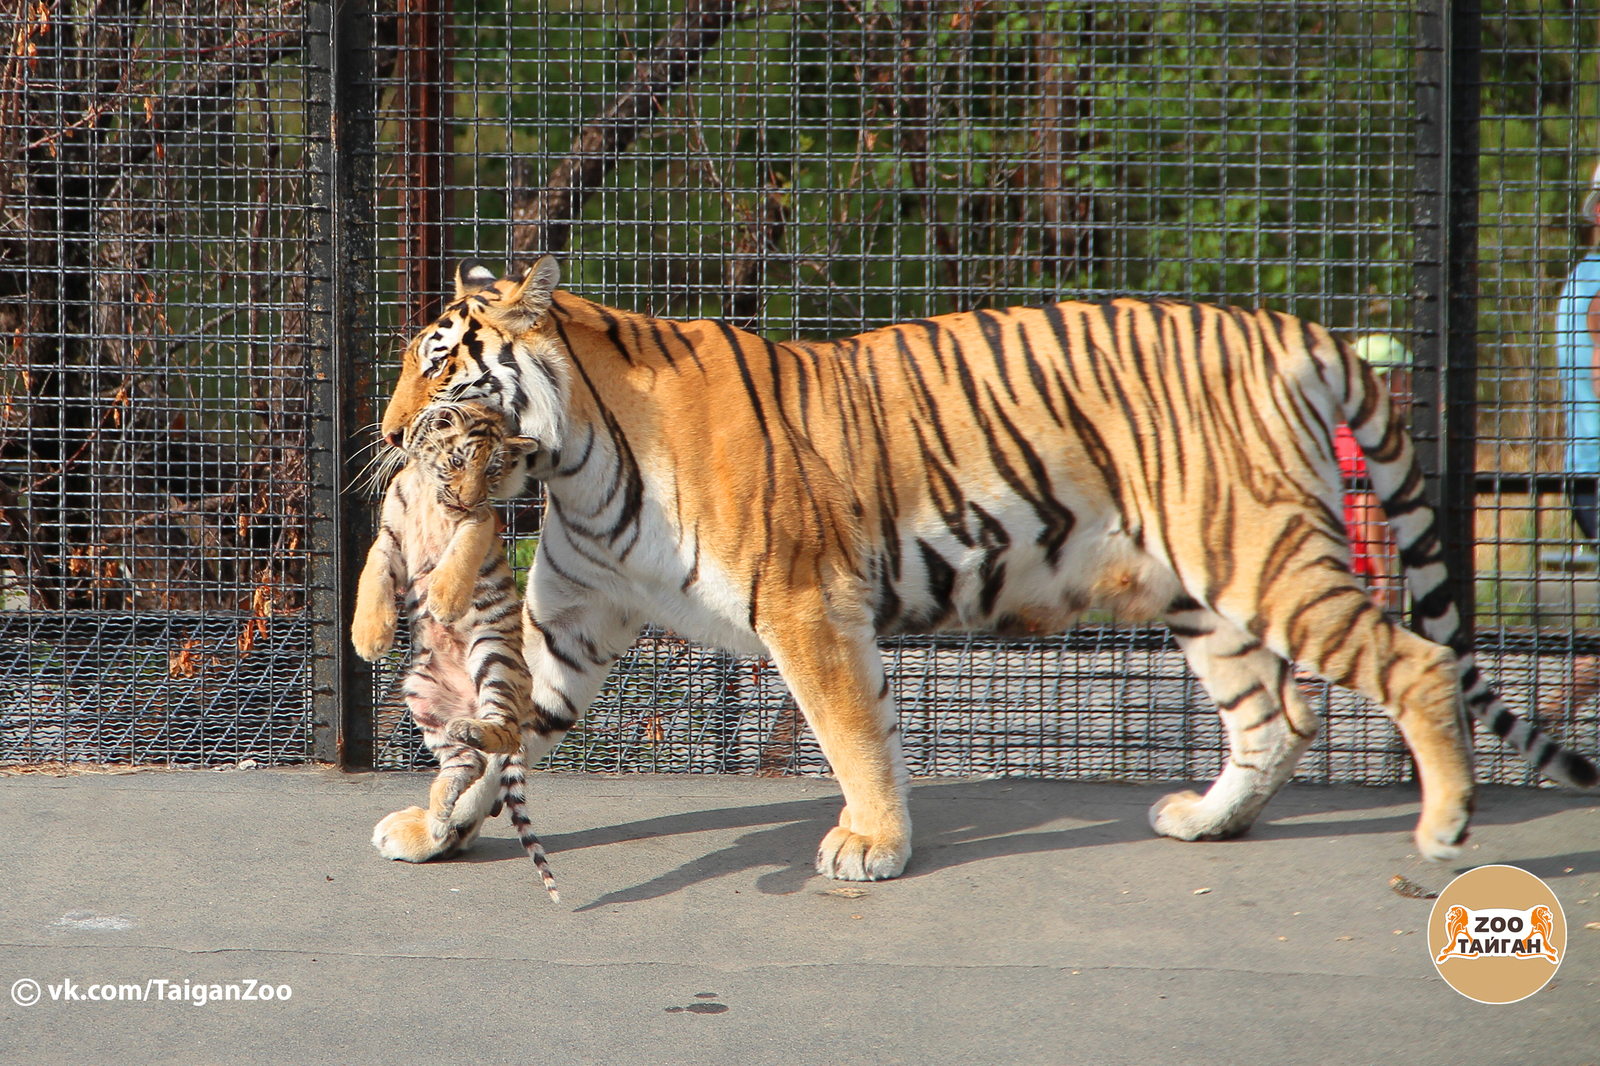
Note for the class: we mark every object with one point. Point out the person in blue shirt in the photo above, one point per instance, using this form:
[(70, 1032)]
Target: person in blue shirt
[(1578, 361)]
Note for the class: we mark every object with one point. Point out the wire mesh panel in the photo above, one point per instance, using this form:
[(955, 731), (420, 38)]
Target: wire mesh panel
[(1538, 424), (816, 169), (188, 356), (153, 471)]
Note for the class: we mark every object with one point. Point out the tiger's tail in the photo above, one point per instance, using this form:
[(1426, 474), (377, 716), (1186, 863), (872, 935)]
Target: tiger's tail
[(513, 778), (1397, 482)]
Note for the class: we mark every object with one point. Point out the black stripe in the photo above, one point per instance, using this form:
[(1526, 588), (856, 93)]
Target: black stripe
[(1233, 702), (490, 661), (941, 583), (989, 324), (550, 645), (613, 334)]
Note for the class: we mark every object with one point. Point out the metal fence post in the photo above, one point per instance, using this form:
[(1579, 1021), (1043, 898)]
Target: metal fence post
[(423, 222), (1444, 411), (340, 114)]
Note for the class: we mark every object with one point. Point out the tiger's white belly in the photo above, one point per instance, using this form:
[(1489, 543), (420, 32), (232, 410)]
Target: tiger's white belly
[(1099, 567), (663, 578)]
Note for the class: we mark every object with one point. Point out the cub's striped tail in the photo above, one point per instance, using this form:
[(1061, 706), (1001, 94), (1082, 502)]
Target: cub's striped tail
[(513, 778), (1397, 482)]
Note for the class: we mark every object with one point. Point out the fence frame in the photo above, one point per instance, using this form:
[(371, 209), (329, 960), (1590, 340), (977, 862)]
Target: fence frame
[(1445, 372), (342, 110)]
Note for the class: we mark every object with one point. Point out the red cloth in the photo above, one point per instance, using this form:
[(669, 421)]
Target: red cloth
[(1352, 464)]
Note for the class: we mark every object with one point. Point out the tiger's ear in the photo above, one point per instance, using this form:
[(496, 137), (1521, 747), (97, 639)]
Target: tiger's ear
[(532, 294), (471, 276)]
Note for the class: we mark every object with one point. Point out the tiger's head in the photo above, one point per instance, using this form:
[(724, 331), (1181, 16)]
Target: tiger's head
[(465, 453), (494, 345)]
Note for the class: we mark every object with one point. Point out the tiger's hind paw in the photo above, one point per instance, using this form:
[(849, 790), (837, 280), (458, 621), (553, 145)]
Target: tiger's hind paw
[(485, 734), (1442, 842), (1186, 816)]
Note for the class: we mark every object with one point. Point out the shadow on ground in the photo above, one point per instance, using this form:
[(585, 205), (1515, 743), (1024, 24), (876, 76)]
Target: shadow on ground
[(1016, 817)]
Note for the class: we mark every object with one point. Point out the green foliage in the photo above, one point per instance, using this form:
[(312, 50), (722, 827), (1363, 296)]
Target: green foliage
[(521, 556), (1245, 152), (1255, 153)]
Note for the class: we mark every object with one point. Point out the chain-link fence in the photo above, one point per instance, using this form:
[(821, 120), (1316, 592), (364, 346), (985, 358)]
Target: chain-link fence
[(153, 388), (1411, 176)]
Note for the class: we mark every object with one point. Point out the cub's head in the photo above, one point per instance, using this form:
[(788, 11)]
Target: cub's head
[(465, 454), (494, 345)]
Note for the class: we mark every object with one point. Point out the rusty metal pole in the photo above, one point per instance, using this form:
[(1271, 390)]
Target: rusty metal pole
[(424, 234), (341, 114)]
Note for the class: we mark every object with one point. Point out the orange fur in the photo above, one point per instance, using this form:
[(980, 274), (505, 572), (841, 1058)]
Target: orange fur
[(997, 470)]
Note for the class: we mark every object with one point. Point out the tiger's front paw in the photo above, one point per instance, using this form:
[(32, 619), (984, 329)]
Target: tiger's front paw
[(1187, 816), (372, 633), (484, 734), (406, 836), (849, 856)]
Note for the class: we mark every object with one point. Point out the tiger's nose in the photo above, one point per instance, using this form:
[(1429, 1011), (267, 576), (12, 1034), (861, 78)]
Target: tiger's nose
[(392, 438)]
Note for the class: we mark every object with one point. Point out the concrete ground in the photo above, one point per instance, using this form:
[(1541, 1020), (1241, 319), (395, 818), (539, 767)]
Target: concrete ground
[(1039, 922)]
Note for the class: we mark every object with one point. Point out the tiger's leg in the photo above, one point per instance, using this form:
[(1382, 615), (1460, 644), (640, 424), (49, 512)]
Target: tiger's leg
[(836, 675), (570, 639), (437, 690), (495, 662), (1268, 722), (417, 835), (1325, 621), (571, 636), (458, 577)]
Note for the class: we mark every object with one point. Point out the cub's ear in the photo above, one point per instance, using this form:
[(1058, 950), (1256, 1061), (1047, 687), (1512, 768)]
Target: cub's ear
[(520, 446), (471, 276), (532, 294)]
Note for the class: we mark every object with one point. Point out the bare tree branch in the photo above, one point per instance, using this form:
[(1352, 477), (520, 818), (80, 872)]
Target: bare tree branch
[(758, 238), (1062, 111), (542, 217), (98, 124)]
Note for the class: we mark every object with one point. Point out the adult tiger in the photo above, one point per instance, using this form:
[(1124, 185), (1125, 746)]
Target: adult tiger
[(993, 470)]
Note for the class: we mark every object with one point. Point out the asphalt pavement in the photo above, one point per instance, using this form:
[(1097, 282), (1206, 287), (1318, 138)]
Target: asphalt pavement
[(1038, 922)]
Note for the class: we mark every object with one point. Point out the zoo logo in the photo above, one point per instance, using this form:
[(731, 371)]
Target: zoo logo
[(1497, 934), (1472, 934)]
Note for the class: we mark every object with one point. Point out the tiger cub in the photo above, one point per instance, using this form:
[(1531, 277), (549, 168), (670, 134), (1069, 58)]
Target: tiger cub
[(468, 688)]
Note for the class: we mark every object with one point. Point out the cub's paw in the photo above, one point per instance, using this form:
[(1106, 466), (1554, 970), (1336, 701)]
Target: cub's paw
[(405, 835), (449, 601), (372, 633), (484, 734), (1185, 816), (850, 856)]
